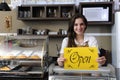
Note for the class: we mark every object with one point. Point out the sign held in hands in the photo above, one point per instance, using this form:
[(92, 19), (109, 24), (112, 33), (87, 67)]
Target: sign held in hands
[(82, 58)]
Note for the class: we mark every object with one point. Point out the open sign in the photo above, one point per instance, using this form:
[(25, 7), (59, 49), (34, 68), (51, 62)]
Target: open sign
[(82, 58)]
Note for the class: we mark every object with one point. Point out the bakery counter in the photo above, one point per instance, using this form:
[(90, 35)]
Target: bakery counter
[(23, 57), (103, 73)]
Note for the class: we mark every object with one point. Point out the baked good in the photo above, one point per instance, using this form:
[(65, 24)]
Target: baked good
[(8, 57), (34, 57), (5, 68), (21, 56)]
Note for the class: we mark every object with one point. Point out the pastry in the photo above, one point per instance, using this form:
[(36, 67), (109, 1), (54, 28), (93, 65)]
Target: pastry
[(21, 56), (5, 68), (7, 57), (34, 57)]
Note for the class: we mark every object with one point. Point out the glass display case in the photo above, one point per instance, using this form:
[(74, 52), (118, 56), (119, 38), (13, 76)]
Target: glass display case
[(103, 73), (23, 57)]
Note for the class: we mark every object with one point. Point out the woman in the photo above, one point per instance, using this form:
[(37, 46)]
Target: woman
[(76, 37)]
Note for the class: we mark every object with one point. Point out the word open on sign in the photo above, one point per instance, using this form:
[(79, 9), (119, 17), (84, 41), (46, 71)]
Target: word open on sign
[(82, 58)]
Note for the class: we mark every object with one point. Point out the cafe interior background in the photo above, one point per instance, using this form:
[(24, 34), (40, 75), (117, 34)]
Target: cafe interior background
[(102, 33)]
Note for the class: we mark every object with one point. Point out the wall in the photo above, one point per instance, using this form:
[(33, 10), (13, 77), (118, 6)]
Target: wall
[(103, 41)]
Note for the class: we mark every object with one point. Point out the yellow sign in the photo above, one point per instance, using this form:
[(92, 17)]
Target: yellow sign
[(82, 58)]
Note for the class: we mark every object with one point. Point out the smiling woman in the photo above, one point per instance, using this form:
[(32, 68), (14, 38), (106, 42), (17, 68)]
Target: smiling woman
[(75, 38)]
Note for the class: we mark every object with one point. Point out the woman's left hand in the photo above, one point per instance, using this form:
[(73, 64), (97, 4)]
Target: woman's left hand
[(101, 60)]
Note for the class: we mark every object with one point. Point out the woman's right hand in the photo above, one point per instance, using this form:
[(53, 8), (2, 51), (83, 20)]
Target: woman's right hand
[(60, 61)]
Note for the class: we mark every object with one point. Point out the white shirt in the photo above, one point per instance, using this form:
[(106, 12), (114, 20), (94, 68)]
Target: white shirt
[(92, 42)]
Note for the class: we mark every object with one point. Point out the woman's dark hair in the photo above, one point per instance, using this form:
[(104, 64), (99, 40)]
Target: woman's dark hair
[(71, 34)]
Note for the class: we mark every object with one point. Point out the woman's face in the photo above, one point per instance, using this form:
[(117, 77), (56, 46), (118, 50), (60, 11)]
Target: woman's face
[(79, 26)]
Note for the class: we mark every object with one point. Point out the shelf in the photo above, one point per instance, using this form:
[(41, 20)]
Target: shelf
[(43, 19), (29, 37), (46, 12), (22, 73), (97, 13), (57, 36)]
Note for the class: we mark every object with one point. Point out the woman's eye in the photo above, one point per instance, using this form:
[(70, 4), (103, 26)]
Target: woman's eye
[(75, 24), (82, 24)]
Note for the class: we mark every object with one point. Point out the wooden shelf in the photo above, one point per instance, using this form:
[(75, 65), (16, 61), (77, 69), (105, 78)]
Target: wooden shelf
[(65, 11), (106, 6), (57, 36), (46, 12)]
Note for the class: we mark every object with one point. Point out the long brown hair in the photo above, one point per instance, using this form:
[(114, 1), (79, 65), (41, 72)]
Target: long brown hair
[(71, 34)]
